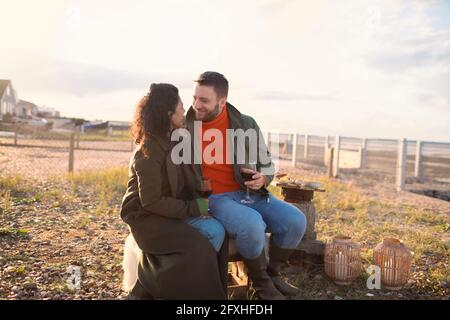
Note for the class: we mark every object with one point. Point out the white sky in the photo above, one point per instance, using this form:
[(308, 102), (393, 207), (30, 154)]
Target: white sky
[(354, 68)]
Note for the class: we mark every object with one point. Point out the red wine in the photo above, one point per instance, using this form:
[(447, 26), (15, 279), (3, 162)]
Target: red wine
[(205, 193), (247, 176)]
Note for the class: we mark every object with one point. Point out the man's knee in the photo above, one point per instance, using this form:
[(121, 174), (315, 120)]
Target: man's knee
[(295, 221), (299, 223), (251, 239), (253, 229)]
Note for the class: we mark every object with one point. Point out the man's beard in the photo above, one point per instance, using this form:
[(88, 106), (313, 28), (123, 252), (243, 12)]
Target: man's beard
[(211, 115)]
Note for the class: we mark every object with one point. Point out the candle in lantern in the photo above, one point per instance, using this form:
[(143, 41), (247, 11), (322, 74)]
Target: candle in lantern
[(392, 271), (388, 270), (394, 258), (342, 260), (341, 266)]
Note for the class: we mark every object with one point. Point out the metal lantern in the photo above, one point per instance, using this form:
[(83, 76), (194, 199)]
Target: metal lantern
[(342, 260), (394, 260)]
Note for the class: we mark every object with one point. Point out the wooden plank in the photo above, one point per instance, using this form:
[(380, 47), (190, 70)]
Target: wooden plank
[(337, 152), (294, 150), (418, 161)]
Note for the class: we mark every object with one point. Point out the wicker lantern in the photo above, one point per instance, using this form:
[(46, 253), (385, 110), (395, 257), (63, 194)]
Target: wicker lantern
[(394, 260), (342, 260)]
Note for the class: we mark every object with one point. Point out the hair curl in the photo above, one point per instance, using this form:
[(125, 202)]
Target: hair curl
[(152, 114)]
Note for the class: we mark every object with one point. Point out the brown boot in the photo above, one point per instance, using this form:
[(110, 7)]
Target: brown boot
[(277, 259), (262, 283)]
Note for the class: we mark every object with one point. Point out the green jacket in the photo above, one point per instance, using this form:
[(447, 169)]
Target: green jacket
[(178, 262), (154, 180), (238, 120)]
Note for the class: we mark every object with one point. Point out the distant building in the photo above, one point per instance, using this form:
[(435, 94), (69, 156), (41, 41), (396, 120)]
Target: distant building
[(119, 125), (8, 99), (46, 112), (116, 125), (63, 123), (25, 109)]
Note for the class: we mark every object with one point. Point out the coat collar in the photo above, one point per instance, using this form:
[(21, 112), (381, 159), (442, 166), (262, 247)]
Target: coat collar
[(163, 143)]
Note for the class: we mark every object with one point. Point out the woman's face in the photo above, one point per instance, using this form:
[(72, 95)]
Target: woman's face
[(177, 118)]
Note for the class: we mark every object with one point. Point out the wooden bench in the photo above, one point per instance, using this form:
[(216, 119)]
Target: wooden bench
[(237, 273)]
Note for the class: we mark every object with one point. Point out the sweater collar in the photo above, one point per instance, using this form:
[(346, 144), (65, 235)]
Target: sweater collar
[(233, 115)]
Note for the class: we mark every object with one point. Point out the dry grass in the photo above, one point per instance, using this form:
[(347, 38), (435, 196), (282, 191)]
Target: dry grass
[(368, 218), (47, 225)]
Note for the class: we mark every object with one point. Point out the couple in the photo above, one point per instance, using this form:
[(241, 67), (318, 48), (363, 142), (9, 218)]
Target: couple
[(184, 237)]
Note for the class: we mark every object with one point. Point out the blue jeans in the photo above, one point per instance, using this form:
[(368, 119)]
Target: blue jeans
[(247, 222), (210, 228)]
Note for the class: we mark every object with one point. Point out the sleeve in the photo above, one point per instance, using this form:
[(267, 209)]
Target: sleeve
[(149, 177), (265, 164)]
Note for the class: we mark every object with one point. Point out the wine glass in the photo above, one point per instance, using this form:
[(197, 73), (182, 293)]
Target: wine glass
[(204, 189), (248, 177)]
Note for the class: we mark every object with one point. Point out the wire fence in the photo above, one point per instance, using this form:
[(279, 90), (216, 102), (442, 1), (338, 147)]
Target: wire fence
[(423, 159), (44, 154)]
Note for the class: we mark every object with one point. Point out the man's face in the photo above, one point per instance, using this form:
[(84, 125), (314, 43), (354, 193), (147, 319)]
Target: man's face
[(205, 104)]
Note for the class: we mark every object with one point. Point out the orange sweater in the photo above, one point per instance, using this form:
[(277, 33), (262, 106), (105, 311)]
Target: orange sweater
[(221, 174)]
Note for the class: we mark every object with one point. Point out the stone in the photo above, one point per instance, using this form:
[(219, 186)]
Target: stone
[(30, 286)]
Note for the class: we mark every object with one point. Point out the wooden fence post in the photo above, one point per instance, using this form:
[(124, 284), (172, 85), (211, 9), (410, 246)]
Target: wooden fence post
[(337, 149), (329, 162), (294, 150), (361, 157), (78, 141), (363, 153), (71, 152), (401, 165), (305, 149), (15, 138), (325, 153), (418, 164)]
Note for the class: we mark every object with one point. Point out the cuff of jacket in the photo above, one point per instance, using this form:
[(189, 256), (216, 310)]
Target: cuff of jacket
[(267, 180), (202, 206)]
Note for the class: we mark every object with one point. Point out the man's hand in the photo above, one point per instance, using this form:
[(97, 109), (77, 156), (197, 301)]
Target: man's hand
[(258, 179)]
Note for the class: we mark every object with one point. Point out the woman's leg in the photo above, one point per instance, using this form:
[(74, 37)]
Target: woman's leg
[(210, 228)]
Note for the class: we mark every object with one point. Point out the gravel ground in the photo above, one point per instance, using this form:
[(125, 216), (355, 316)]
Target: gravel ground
[(41, 238), (39, 163)]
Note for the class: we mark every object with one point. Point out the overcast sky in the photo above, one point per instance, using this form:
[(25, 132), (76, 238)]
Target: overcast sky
[(355, 68)]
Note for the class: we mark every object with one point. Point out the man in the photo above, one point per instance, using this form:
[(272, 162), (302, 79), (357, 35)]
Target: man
[(246, 222)]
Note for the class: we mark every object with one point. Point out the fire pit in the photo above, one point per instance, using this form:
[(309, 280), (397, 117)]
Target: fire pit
[(294, 192), (300, 194)]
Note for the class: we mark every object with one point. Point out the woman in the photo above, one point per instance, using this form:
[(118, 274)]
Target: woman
[(161, 206)]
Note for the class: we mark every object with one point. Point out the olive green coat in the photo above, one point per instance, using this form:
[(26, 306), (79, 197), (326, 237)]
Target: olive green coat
[(178, 262)]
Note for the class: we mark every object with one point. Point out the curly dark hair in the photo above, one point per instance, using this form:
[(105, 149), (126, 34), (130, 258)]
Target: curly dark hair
[(152, 115)]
